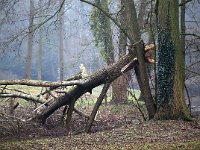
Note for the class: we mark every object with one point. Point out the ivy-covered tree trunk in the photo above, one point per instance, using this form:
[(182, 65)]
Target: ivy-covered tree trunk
[(101, 28), (107, 34), (170, 96)]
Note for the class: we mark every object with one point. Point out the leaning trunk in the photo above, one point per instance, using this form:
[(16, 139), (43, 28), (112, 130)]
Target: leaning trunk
[(134, 32)]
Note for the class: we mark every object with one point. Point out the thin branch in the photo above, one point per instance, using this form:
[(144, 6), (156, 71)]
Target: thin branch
[(43, 104), (12, 90), (23, 96), (193, 64), (40, 83), (191, 34), (96, 107), (137, 104), (192, 71), (181, 4), (37, 27), (61, 6)]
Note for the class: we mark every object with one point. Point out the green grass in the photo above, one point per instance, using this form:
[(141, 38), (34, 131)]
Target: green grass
[(26, 89), (90, 100), (85, 101)]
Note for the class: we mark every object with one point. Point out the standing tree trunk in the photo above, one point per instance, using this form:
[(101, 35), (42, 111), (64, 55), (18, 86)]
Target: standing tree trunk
[(170, 100), (134, 32), (120, 85), (40, 44), (30, 41), (183, 37), (61, 35), (40, 56)]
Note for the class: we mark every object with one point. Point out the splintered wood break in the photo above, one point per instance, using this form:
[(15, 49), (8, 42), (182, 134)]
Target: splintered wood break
[(130, 64)]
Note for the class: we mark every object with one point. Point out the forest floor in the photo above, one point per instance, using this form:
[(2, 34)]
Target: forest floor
[(116, 127)]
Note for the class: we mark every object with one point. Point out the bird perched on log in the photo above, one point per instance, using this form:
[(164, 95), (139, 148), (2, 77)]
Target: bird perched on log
[(83, 71)]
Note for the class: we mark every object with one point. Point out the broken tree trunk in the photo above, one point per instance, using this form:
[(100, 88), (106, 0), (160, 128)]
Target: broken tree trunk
[(103, 76)]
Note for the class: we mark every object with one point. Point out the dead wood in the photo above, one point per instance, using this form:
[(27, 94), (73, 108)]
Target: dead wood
[(40, 83), (101, 77), (96, 107)]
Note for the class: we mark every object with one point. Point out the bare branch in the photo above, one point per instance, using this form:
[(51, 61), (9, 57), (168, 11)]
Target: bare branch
[(40, 83), (109, 16), (34, 27), (181, 4), (191, 34), (192, 71), (23, 96)]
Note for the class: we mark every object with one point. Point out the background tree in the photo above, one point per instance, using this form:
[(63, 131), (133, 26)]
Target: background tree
[(120, 85), (30, 40), (101, 27), (40, 42), (61, 39)]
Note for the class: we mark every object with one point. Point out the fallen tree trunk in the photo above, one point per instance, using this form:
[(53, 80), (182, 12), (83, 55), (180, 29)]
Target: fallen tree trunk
[(103, 76)]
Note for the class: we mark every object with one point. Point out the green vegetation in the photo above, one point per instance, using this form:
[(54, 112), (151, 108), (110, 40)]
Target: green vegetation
[(89, 100), (85, 100)]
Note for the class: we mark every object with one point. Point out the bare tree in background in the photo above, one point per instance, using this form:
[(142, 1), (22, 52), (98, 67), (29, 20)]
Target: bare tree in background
[(40, 42), (30, 40), (61, 39)]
